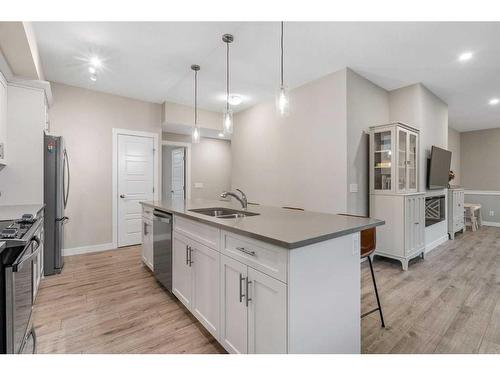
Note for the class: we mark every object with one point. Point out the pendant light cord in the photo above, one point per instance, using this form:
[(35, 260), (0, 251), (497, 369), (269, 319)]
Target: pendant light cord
[(195, 98), (227, 76), (281, 53)]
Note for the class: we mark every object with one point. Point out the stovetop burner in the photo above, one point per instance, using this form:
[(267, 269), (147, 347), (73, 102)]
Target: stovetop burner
[(14, 229)]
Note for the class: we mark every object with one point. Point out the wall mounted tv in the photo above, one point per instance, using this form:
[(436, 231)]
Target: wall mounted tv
[(438, 168)]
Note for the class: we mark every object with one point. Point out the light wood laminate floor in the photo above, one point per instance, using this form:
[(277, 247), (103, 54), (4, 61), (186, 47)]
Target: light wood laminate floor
[(109, 302), (447, 303)]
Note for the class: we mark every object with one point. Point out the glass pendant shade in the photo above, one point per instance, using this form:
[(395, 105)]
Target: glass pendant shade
[(283, 101), (228, 121), (195, 136)]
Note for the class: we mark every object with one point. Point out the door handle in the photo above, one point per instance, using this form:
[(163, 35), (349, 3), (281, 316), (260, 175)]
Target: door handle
[(187, 256), (247, 299), (241, 287), (190, 256), (122, 195)]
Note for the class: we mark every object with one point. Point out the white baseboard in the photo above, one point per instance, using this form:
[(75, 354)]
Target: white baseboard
[(88, 249), (436, 243), (491, 224)]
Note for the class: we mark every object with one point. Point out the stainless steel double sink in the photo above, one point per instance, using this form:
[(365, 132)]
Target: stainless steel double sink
[(223, 213)]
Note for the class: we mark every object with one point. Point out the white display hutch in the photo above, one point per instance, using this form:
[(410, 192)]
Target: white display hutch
[(394, 196)]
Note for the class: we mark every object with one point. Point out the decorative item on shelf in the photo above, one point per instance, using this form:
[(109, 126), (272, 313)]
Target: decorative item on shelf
[(282, 98), (451, 177), (195, 137), (228, 112)]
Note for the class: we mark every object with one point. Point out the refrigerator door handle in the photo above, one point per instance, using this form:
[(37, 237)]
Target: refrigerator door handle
[(66, 178)]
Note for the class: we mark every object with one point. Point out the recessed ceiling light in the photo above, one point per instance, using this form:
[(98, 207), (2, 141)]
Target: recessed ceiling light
[(93, 77), (95, 62), (92, 70), (221, 135), (494, 101), (465, 56), (235, 99)]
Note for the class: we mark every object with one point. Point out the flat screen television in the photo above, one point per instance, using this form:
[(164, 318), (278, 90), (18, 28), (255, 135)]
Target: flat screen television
[(438, 168)]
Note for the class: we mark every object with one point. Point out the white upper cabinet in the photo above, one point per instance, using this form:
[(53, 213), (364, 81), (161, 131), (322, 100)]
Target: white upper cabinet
[(393, 159), (3, 120)]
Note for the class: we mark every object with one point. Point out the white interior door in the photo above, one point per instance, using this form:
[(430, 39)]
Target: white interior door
[(178, 173), (135, 184)]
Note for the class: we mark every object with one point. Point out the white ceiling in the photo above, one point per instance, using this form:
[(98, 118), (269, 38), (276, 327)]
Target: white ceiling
[(151, 60)]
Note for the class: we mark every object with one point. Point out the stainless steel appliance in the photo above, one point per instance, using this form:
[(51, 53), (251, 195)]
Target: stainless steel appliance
[(17, 259), (162, 248), (56, 192)]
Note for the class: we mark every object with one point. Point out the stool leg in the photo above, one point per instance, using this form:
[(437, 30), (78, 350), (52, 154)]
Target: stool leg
[(376, 292)]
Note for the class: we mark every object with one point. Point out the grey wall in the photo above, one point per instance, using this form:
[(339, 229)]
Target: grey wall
[(367, 105), (480, 159), (488, 203), (85, 119), (299, 160), (454, 146), (210, 165)]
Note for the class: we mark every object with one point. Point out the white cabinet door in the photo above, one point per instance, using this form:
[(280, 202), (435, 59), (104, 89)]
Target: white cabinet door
[(234, 329), (205, 279), (147, 242), (181, 282), (267, 308)]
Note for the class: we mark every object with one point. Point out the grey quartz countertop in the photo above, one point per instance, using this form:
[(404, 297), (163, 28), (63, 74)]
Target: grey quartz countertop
[(282, 227), (16, 211)]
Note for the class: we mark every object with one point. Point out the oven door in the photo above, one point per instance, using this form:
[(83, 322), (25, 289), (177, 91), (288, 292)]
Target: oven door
[(19, 298)]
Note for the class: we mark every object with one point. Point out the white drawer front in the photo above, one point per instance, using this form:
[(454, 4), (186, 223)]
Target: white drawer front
[(269, 259), (204, 234), (147, 212)]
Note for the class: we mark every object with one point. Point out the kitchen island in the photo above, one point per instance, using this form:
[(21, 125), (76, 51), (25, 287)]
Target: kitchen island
[(279, 281)]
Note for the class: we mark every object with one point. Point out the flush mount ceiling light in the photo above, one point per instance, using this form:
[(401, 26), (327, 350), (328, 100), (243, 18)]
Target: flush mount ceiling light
[(95, 62), (228, 113), (92, 70), (465, 56), (195, 137), (494, 101), (235, 100), (282, 98), (93, 77)]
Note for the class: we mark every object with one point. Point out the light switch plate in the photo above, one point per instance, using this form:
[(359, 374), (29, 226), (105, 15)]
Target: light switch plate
[(198, 185), (353, 188)]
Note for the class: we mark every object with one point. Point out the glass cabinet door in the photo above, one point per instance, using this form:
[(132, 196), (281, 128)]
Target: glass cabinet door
[(402, 158), (412, 161), (382, 148)]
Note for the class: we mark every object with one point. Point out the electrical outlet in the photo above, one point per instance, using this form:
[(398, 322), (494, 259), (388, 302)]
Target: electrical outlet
[(492, 213), (353, 188)]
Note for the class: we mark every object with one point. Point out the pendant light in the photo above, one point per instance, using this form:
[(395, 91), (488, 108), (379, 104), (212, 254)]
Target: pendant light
[(195, 136), (282, 98), (228, 113)]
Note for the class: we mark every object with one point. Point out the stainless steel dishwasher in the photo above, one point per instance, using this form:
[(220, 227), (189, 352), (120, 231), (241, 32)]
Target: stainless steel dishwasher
[(162, 248)]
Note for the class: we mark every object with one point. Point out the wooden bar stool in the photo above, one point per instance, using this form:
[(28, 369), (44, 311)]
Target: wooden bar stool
[(368, 246)]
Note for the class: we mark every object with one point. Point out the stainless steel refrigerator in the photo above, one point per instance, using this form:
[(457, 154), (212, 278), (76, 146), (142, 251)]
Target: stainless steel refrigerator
[(56, 191)]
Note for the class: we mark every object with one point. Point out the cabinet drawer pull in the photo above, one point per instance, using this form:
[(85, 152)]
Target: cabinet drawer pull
[(243, 250), (190, 256), (241, 287), (247, 299), (187, 256)]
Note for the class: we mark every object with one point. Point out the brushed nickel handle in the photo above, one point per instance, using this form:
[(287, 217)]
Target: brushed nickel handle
[(187, 256), (122, 195), (190, 256), (241, 288), (247, 299), (243, 250)]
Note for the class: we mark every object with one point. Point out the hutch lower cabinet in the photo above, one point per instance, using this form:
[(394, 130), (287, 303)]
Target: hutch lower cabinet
[(403, 236)]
